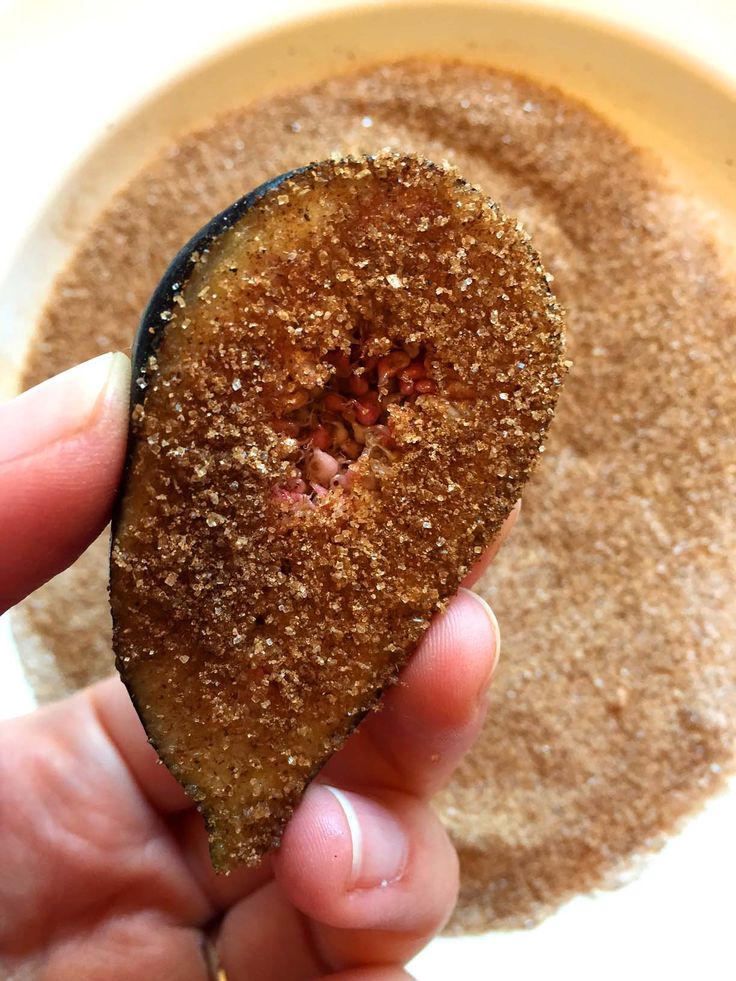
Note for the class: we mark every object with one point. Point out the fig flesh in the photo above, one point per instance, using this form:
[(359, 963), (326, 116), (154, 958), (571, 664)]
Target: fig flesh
[(343, 384)]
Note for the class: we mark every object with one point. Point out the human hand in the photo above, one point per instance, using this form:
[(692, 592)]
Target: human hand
[(105, 864)]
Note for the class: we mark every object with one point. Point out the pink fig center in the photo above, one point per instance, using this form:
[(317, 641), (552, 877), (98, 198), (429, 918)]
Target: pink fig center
[(335, 425)]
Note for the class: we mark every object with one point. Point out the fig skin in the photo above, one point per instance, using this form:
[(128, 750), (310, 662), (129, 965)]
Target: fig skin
[(262, 599)]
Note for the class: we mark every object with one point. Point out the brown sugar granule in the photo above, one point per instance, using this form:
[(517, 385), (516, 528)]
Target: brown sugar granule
[(347, 395), (613, 713)]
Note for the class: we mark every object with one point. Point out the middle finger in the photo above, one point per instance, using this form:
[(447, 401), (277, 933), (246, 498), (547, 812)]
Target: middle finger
[(435, 712)]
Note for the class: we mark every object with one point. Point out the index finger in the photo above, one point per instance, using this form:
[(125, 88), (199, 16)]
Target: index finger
[(61, 453)]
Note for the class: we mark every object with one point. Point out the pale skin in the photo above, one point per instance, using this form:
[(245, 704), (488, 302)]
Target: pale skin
[(105, 862)]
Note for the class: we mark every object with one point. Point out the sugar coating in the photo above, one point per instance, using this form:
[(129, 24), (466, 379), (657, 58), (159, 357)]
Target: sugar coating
[(613, 711), (254, 624)]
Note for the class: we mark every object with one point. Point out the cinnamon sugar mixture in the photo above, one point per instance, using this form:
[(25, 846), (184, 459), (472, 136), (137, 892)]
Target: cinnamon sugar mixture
[(614, 711)]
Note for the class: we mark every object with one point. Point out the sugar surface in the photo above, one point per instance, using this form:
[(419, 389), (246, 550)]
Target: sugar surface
[(253, 624), (614, 711)]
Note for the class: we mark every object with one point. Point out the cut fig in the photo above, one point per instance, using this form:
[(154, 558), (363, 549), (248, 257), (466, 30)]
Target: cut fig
[(342, 384)]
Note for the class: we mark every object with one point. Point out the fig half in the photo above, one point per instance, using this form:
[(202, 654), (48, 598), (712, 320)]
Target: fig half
[(341, 386)]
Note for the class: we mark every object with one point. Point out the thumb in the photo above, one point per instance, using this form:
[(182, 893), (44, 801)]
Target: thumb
[(62, 446)]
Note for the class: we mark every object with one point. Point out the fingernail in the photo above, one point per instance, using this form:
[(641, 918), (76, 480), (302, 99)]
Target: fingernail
[(379, 842), (60, 407), (496, 639)]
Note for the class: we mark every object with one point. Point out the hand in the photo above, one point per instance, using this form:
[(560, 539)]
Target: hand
[(105, 865)]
